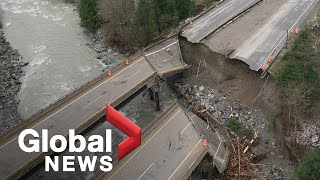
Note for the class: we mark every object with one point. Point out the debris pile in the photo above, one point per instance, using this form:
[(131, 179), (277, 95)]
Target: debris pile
[(308, 135), (215, 104), (240, 160), (252, 147)]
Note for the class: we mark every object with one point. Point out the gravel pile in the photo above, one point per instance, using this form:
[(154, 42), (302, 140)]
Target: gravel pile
[(216, 103), (10, 72), (221, 108)]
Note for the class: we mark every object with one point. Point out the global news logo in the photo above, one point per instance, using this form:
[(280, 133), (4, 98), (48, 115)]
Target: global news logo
[(78, 143)]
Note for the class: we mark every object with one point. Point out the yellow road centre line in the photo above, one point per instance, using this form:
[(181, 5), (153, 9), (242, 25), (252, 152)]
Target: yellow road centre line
[(185, 159), (144, 145), (78, 126), (77, 99)]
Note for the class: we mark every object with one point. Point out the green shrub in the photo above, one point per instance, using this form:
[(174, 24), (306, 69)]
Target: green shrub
[(238, 128), (301, 67), (309, 168)]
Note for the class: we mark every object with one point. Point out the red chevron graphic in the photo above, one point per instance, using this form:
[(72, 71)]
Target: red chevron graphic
[(126, 126)]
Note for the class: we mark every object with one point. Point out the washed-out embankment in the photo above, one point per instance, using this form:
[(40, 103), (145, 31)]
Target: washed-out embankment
[(232, 77)]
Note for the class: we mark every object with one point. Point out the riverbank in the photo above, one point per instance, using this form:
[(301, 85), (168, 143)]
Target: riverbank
[(10, 73)]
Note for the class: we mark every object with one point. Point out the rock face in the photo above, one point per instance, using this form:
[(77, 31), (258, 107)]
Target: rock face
[(10, 72)]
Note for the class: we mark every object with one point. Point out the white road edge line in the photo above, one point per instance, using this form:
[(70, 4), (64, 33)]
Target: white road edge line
[(215, 12), (75, 100), (184, 159), (286, 34), (92, 102), (162, 48), (218, 146), (67, 134), (254, 37), (134, 74), (185, 127), (145, 171), (212, 22)]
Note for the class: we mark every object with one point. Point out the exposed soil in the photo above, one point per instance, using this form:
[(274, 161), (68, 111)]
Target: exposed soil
[(258, 98), (10, 72)]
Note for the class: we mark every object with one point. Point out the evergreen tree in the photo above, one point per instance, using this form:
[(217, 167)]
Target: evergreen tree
[(185, 8), (145, 18), (89, 14), (166, 13)]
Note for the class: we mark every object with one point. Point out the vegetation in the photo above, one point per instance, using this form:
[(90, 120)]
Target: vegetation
[(89, 14), (238, 128), (153, 16), (310, 166), (271, 125), (299, 75)]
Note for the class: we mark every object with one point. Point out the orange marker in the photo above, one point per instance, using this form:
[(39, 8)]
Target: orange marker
[(109, 73), (205, 142), (270, 59), (264, 67), (127, 61), (297, 30), (190, 23)]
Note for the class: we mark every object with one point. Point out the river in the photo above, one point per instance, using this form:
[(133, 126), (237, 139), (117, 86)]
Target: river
[(48, 36)]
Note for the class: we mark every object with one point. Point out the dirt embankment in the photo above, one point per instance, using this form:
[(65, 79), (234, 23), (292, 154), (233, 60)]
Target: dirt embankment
[(230, 76), (258, 99), (10, 72)]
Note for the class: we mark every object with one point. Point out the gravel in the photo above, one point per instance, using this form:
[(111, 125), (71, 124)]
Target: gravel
[(215, 102), (222, 108), (10, 73)]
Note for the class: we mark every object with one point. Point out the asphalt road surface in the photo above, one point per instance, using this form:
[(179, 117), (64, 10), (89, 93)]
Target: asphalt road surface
[(215, 18), (166, 153), (76, 113), (261, 49), (165, 56)]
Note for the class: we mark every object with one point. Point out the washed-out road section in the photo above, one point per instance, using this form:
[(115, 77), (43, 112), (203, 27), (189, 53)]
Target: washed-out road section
[(215, 18), (263, 46)]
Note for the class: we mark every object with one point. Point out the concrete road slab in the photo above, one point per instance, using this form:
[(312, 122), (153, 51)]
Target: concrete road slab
[(267, 43), (166, 153), (165, 56), (215, 18), (76, 113)]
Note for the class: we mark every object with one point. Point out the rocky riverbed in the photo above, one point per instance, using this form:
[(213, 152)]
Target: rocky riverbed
[(10, 72)]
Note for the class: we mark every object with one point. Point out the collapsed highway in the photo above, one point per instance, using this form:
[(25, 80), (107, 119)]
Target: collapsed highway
[(160, 60)]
